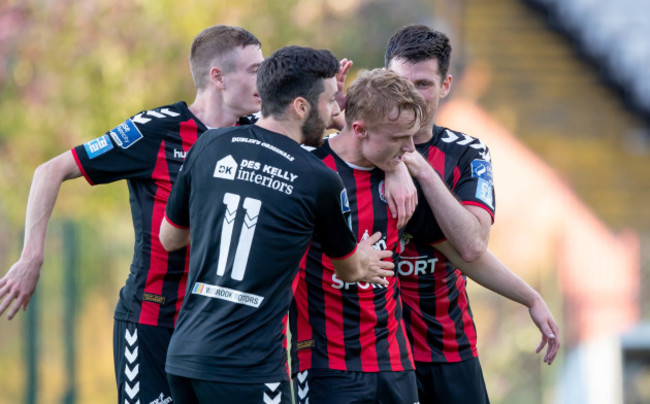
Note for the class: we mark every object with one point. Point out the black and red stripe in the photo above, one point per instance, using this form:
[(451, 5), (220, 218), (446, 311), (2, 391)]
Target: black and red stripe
[(436, 306), (154, 290), (355, 327)]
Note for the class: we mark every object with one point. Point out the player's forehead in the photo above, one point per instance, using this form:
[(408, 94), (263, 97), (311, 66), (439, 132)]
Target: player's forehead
[(425, 69), (397, 123), (247, 56)]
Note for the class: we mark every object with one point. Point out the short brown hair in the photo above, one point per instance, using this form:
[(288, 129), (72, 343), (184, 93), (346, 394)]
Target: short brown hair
[(375, 93), (214, 42)]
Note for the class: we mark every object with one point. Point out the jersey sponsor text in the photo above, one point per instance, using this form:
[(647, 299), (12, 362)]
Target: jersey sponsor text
[(269, 177), (263, 144), (416, 266), (126, 134), (223, 293), (226, 168), (97, 147), (180, 154), (339, 284)]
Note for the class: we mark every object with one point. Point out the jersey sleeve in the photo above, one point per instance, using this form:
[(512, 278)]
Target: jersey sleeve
[(128, 151), (475, 185), (333, 216)]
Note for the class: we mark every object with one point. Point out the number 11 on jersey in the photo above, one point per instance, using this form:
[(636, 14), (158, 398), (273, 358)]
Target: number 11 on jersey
[(252, 207)]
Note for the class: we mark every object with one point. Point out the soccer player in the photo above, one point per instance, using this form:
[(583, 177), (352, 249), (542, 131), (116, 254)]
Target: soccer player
[(147, 150), (436, 306), (251, 199), (350, 337)]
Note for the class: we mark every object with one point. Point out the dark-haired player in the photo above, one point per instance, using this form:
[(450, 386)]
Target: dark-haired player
[(457, 217), (147, 151)]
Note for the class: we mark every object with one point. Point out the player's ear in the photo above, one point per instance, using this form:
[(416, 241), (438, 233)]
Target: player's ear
[(216, 78), (301, 107), (446, 86), (359, 129)]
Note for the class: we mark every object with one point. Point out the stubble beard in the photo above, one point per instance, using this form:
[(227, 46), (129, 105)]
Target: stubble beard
[(313, 129)]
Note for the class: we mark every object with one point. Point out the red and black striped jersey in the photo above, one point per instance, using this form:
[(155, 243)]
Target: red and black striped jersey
[(351, 326), (436, 306), (147, 150)]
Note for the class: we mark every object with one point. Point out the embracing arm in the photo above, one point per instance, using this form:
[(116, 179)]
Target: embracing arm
[(20, 281), (490, 272), (401, 194), (467, 227)]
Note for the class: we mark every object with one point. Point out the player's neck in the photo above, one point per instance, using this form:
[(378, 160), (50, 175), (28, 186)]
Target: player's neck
[(212, 113), (346, 146), (288, 128), (424, 134)]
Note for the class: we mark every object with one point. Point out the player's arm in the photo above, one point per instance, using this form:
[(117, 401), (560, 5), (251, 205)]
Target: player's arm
[(467, 227), (365, 263), (19, 283), (491, 273), (401, 194), (173, 237)]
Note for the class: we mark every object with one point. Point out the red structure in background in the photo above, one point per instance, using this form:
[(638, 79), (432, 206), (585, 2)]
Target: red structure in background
[(542, 226)]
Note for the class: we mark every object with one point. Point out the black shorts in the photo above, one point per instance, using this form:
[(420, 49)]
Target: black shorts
[(139, 352), (453, 382), (328, 386), (193, 391)]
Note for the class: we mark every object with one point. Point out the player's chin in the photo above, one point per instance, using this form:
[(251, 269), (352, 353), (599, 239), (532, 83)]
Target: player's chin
[(253, 108), (389, 166)]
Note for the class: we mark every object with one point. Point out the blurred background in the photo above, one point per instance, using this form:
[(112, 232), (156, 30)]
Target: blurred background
[(559, 90)]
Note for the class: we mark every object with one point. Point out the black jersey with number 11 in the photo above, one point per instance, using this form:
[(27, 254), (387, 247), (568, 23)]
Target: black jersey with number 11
[(253, 200)]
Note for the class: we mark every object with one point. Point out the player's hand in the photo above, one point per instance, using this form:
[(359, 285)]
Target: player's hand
[(377, 269), (338, 121), (340, 82), (544, 320), (18, 286), (401, 194), (417, 165)]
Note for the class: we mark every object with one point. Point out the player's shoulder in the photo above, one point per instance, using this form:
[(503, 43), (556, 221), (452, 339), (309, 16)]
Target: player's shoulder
[(314, 159), (160, 120), (460, 144), (155, 124), (215, 135), (174, 110), (318, 152), (165, 113), (209, 144)]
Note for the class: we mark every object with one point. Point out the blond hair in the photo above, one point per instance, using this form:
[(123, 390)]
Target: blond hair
[(375, 94)]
